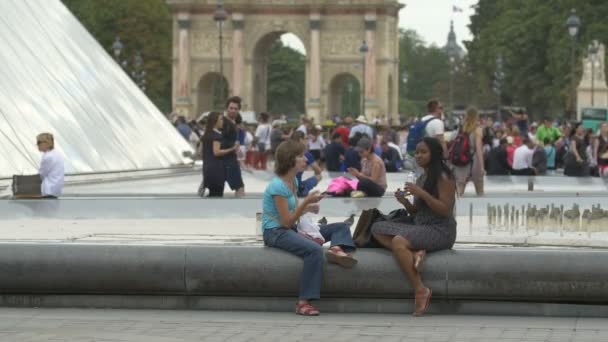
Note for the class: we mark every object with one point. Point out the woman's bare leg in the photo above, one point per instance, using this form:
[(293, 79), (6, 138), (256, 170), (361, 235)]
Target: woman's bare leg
[(402, 250), (385, 240), (460, 187), (479, 188)]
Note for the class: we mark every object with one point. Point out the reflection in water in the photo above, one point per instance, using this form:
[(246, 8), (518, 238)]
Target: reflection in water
[(36, 208)]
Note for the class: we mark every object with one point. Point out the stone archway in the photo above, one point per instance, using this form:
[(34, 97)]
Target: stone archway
[(208, 89), (331, 31), (259, 69), (344, 95)]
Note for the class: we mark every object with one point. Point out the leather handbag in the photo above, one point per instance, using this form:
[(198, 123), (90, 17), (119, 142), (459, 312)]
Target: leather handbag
[(27, 186)]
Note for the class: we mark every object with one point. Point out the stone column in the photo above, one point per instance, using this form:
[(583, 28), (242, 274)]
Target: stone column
[(238, 54), (371, 105), (314, 101), (183, 103)]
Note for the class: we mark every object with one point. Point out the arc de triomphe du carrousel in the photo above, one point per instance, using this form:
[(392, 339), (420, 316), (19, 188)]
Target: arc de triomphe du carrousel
[(331, 31)]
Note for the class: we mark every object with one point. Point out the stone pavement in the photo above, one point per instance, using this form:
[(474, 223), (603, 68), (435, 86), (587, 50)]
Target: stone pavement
[(88, 325)]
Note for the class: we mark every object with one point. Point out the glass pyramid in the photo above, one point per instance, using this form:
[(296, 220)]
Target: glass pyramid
[(54, 77)]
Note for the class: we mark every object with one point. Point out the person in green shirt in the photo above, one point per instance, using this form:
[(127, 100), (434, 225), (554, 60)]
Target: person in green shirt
[(547, 131)]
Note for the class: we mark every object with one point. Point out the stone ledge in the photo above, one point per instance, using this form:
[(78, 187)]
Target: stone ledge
[(482, 274)]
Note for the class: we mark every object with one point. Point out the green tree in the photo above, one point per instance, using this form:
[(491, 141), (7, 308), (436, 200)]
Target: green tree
[(532, 38), (142, 26), (286, 80)]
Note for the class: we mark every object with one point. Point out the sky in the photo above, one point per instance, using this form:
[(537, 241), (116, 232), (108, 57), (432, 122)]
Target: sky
[(430, 18)]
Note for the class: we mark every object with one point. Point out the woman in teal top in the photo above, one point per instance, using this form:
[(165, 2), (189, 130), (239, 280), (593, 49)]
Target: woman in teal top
[(281, 212)]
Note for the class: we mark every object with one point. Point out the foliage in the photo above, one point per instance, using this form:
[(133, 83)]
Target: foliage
[(286, 80), (351, 100), (142, 26), (532, 37), (428, 76)]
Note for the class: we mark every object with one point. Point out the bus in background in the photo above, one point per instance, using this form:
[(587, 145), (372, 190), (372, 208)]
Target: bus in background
[(593, 117)]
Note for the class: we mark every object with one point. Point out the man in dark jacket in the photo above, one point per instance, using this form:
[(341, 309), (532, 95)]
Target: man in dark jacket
[(334, 153), (390, 156), (539, 160), (496, 161)]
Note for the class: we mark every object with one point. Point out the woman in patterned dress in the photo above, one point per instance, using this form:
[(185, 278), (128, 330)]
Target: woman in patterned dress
[(433, 227)]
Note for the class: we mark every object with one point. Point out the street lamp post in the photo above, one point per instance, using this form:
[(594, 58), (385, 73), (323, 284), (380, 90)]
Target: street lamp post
[(593, 50), (404, 78), (451, 90), (573, 24), (219, 17), (349, 88), (138, 74), (498, 80), (364, 49)]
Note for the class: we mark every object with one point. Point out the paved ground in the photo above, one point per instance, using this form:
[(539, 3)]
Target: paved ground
[(88, 325)]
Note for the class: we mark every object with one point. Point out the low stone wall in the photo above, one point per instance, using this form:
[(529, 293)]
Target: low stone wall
[(496, 274)]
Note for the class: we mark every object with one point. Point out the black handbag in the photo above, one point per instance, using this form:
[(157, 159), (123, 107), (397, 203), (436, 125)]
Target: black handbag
[(25, 186)]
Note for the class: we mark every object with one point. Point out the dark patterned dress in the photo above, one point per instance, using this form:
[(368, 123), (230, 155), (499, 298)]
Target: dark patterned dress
[(428, 231)]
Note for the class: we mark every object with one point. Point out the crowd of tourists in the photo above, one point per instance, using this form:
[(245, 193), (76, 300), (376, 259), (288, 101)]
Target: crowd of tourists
[(367, 151)]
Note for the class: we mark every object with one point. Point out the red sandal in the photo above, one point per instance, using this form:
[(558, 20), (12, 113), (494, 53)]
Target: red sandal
[(305, 309), (422, 302)]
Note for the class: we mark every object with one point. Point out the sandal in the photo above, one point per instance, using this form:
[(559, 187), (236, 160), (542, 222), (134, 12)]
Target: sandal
[(418, 259), (336, 255), (422, 302), (306, 309)]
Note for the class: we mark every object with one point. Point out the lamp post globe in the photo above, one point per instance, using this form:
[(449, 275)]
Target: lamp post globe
[(573, 23), (117, 47)]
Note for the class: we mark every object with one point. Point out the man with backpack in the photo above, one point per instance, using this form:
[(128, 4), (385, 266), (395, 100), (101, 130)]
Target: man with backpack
[(430, 125)]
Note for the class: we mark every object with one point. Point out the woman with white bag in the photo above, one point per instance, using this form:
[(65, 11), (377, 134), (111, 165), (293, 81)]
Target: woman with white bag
[(281, 212)]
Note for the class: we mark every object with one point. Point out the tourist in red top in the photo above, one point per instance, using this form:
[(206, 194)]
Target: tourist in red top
[(344, 130)]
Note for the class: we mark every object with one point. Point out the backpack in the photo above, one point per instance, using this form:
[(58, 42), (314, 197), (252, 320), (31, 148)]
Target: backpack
[(415, 135), (460, 150)]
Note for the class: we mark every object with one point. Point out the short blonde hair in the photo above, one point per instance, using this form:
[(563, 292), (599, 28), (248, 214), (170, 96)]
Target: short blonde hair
[(46, 138)]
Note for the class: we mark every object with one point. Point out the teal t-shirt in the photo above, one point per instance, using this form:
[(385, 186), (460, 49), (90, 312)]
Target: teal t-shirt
[(270, 215)]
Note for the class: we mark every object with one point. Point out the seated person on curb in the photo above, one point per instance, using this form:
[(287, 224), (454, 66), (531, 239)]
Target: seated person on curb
[(433, 227), (304, 186), (390, 156), (496, 161), (351, 157), (372, 177), (281, 213), (334, 153), (51, 167), (539, 160), (522, 159)]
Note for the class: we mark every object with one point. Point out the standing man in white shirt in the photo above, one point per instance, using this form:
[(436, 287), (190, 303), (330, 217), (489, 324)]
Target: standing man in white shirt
[(435, 128), (51, 166), (523, 157)]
